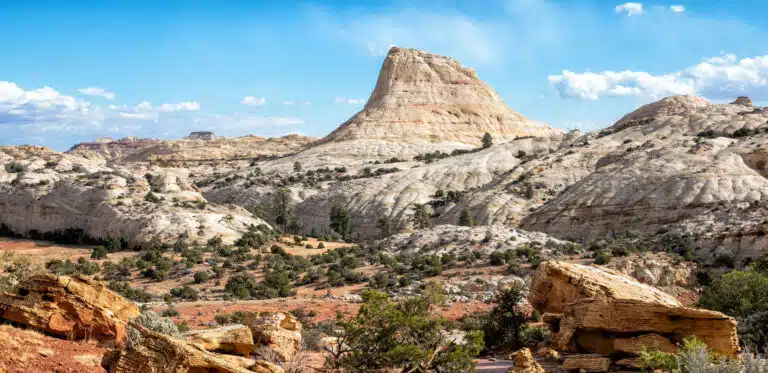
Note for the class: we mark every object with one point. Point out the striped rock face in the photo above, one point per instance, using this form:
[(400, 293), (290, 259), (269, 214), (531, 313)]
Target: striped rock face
[(423, 99)]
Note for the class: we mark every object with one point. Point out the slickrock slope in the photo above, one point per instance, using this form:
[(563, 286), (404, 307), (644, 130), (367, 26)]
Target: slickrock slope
[(594, 310), (42, 191), (680, 163), (444, 239), (73, 307), (368, 198)]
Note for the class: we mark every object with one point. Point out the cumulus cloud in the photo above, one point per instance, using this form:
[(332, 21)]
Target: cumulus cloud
[(253, 101), (42, 105), (289, 102), (677, 8), (353, 101), (721, 77), (97, 91), (632, 9)]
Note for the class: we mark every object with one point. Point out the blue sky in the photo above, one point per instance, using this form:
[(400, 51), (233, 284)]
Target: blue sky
[(76, 70)]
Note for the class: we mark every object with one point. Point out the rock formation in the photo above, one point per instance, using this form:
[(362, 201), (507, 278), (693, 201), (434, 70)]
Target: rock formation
[(278, 331), (236, 339), (524, 363), (159, 353), (71, 307), (594, 310), (429, 98), (42, 191), (191, 152), (680, 164)]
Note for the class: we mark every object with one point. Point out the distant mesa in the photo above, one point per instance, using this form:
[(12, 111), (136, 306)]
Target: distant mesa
[(742, 100), (201, 135)]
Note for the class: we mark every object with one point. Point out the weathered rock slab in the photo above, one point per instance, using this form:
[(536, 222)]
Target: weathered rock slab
[(278, 331), (236, 339), (72, 307), (596, 310), (589, 363)]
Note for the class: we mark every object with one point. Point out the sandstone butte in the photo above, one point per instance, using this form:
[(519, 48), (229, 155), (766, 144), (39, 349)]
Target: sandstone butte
[(595, 310), (420, 95), (73, 307)]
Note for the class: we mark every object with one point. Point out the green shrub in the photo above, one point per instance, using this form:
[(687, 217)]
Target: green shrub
[(202, 276), (99, 252), (151, 197), (185, 292), (602, 257), (154, 322), (403, 334), (124, 289), (738, 294)]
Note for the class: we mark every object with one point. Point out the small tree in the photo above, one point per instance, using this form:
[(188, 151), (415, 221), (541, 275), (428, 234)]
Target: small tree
[(465, 218), (340, 220), (384, 226), (507, 321), (404, 335), (421, 217), (202, 276), (282, 207), (487, 140), (99, 252), (297, 166)]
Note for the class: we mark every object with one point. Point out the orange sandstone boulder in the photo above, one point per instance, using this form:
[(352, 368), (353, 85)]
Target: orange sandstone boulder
[(600, 311), (73, 307)]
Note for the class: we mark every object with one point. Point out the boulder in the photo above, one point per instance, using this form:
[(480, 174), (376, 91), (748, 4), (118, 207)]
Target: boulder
[(635, 345), (587, 363), (73, 307), (278, 331), (159, 353), (595, 310), (524, 363), (236, 339)]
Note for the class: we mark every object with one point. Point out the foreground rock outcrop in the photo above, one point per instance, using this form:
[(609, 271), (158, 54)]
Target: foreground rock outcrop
[(524, 362), (70, 307), (278, 331), (236, 339), (159, 353), (594, 310)]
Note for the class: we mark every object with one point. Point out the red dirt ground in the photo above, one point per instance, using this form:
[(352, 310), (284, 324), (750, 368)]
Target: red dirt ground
[(31, 352)]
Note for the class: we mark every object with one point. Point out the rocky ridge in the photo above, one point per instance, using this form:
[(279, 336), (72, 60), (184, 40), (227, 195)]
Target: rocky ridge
[(45, 191)]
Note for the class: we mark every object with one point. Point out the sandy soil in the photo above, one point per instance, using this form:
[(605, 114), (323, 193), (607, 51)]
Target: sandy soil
[(31, 352)]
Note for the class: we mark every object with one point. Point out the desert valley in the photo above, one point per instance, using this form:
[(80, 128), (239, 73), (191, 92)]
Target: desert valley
[(436, 230)]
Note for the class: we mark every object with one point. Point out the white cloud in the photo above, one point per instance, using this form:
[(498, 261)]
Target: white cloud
[(353, 101), (253, 101), (43, 105), (289, 102), (632, 9), (181, 106), (722, 77), (96, 91), (677, 8)]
